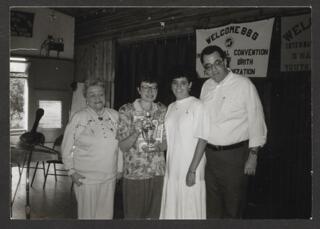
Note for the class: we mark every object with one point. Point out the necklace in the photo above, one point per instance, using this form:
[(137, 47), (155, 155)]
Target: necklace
[(107, 121), (100, 114)]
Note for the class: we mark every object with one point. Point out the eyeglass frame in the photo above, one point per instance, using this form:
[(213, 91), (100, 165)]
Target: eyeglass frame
[(146, 88), (217, 63)]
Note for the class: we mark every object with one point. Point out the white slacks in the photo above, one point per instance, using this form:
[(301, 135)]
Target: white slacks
[(95, 201)]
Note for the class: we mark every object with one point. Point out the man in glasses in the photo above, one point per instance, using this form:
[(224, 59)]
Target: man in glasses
[(237, 131), (142, 140)]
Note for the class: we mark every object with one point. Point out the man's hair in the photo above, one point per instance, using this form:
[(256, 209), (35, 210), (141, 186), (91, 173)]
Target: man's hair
[(211, 49)]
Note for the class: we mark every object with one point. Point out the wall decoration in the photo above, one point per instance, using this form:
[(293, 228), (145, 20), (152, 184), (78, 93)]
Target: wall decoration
[(296, 43), (21, 24), (247, 46)]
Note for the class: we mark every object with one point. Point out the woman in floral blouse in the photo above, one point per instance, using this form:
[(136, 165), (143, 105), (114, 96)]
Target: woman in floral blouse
[(144, 165), (90, 152)]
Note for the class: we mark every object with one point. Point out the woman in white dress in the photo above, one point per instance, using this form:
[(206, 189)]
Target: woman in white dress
[(186, 130), (90, 153)]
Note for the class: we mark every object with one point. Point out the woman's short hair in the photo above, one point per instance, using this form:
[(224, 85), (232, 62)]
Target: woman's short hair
[(92, 82), (211, 49), (181, 71), (147, 78)]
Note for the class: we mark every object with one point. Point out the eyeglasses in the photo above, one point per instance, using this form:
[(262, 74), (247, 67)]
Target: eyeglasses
[(217, 63), (145, 88)]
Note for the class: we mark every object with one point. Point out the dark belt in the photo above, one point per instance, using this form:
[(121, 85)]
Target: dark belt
[(228, 147)]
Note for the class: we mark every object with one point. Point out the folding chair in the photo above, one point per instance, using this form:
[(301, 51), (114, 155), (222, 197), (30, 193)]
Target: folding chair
[(56, 171)]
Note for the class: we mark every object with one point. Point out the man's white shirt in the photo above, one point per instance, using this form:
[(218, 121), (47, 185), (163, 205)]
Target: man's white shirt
[(235, 111)]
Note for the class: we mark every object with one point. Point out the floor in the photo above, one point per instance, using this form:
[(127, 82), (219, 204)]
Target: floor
[(56, 201)]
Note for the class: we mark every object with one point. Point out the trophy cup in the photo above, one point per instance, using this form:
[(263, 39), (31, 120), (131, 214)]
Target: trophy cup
[(148, 130)]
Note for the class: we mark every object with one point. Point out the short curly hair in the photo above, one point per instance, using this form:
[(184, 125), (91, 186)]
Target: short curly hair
[(146, 77), (92, 82)]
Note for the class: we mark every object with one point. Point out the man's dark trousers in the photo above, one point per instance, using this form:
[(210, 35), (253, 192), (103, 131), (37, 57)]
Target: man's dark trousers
[(226, 182)]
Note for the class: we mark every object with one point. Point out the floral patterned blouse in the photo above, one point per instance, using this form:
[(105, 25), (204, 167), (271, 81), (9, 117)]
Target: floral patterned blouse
[(138, 164)]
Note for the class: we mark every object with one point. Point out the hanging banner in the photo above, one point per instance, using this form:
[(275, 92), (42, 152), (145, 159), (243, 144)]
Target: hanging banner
[(247, 46), (296, 43)]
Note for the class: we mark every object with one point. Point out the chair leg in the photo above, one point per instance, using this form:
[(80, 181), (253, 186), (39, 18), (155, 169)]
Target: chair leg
[(34, 173), (44, 169), (55, 172), (71, 186), (46, 175), (19, 169)]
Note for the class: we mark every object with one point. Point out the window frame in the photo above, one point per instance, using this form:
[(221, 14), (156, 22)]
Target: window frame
[(20, 75)]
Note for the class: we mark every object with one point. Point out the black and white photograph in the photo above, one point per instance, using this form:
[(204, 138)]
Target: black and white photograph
[(160, 113)]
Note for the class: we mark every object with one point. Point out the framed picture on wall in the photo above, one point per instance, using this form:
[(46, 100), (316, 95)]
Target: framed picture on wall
[(21, 23)]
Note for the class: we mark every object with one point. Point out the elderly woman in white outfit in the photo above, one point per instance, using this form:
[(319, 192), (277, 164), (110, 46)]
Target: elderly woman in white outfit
[(184, 195), (90, 152)]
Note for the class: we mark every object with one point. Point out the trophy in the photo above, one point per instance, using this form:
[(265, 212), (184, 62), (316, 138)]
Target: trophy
[(148, 130)]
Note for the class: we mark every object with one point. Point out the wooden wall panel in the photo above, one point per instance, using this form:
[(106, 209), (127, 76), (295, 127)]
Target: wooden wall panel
[(130, 24)]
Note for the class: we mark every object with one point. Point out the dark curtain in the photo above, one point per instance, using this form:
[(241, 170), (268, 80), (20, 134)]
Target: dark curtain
[(157, 57), (282, 185)]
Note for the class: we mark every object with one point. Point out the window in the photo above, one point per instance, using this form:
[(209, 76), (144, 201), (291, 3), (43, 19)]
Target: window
[(52, 117), (18, 94)]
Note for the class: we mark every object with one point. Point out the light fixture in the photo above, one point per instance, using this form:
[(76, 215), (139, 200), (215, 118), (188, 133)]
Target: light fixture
[(162, 24), (52, 16)]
